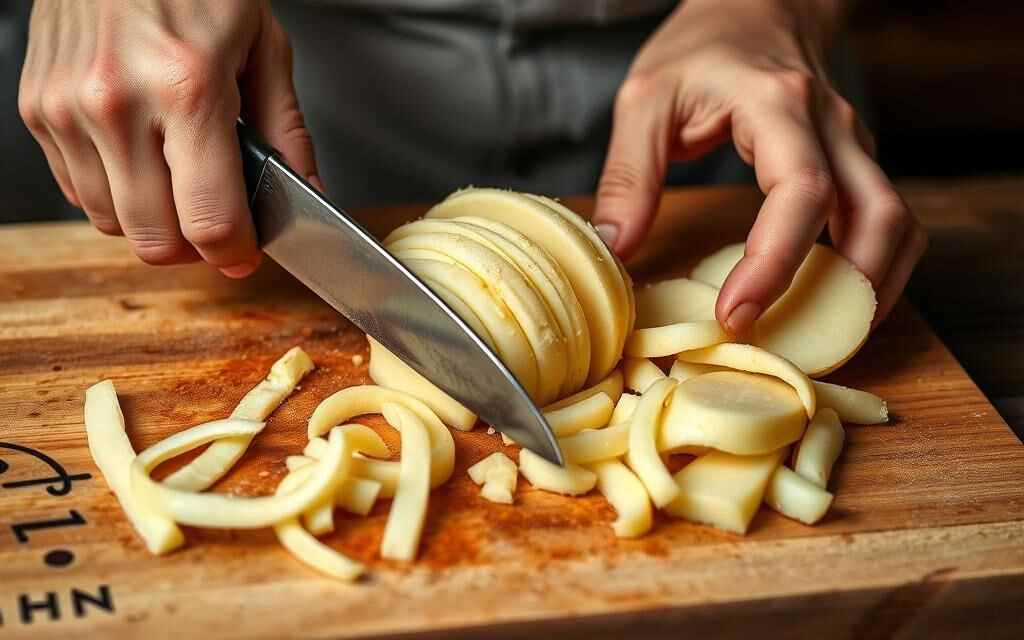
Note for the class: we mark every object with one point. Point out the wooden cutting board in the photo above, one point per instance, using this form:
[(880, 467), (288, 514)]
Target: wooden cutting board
[(925, 539)]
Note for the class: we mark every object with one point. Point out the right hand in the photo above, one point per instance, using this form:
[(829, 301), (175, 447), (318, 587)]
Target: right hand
[(135, 104)]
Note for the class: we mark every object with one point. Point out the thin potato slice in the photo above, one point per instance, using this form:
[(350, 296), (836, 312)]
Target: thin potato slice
[(220, 511), (670, 339), (388, 370), (358, 495), (624, 408), (308, 549), (820, 448), (627, 495), (643, 455), (592, 413), (211, 465), (594, 445), (641, 373), (673, 301), (722, 489), (497, 477), (852, 405), (683, 371), (611, 386), (570, 480), (294, 463), (366, 399), (113, 454), (747, 357), (821, 321), (796, 497), (409, 509), (732, 411)]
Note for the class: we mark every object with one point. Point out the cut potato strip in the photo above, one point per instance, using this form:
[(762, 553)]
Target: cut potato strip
[(319, 520), (733, 411), (308, 549), (595, 445), (592, 413), (627, 495), (358, 495), (362, 438), (211, 465), (624, 408), (294, 463), (820, 448), (497, 477), (409, 509), (570, 480), (683, 371), (670, 339), (722, 489), (388, 370), (610, 386), (643, 455), (673, 301), (640, 373), (821, 321), (113, 454), (796, 497), (858, 407), (747, 357), (367, 399), (383, 472), (222, 511)]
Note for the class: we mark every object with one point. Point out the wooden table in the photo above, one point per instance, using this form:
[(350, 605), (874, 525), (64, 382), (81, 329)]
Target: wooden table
[(925, 539)]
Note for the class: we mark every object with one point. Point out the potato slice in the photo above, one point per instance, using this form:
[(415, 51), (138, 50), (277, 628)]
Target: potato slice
[(497, 477), (388, 370), (624, 408), (673, 301), (113, 454), (747, 357), (597, 282), (594, 445), (361, 400), (858, 407), (641, 373), (294, 463), (732, 411), (358, 495), (796, 497), (683, 371), (409, 509), (308, 549), (820, 448), (668, 340), (627, 495), (570, 480), (211, 465), (592, 413), (220, 511), (643, 455), (611, 386), (722, 489), (821, 321)]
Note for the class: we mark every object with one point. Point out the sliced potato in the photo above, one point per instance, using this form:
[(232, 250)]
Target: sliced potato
[(570, 480), (593, 445), (624, 408), (670, 339), (796, 497), (673, 301), (852, 405), (640, 373), (627, 495), (497, 477), (409, 509), (591, 413), (611, 386), (820, 448), (643, 455)]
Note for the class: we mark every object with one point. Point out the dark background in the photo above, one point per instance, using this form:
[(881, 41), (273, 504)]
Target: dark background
[(944, 78)]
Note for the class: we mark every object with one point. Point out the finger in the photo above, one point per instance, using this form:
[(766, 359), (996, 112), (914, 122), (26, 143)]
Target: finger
[(209, 192), (271, 104), (908, 254), (630, 187), (59, 170), (874, 216), (793, 172)]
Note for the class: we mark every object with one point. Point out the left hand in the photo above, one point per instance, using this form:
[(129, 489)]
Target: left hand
[(754, 71)]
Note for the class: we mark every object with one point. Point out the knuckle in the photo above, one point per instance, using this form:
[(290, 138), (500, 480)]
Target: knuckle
[(157, 247), (890, 212), (103, 96), (56, 111), (789, 87), (28, 110), (188, 81), (210, 230), (845, 114), (105, 224), (639, 88)]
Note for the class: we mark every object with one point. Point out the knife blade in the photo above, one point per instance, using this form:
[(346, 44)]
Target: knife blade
[(340, 261)]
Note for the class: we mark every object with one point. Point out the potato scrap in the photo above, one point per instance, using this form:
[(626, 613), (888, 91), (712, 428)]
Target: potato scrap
[(627, 495), (570, 480), (820, 448), (796, 497), (497, 477)]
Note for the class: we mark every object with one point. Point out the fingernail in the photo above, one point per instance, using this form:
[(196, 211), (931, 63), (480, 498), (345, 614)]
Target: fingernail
[(314, 180), (608, 232), (742, 318), (240, 270)]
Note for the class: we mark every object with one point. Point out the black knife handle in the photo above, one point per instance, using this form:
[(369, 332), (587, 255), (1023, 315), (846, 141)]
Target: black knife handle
[(255, 153)]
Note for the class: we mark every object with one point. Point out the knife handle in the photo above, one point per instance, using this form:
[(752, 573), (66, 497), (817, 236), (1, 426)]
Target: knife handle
[(255, 153)]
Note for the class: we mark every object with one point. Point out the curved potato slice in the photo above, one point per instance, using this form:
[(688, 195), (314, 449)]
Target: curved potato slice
[(409, 508), (570, 480), (624, 408), (669, 340), (795, 497), (627, 496), (610, 386), (591, 413), (640, 373), (820, 448), (683, 371), (643, 455), (594, 445), (673, 301), (852, 405)]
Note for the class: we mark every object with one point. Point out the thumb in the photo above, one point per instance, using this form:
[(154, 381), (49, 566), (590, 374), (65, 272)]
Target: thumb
[(634, 170), (270, 102)]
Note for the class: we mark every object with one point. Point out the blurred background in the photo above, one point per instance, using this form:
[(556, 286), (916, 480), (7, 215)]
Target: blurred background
[(943, 84)]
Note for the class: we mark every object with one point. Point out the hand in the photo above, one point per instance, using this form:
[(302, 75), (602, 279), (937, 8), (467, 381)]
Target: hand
[(134, 105), (753, 71)]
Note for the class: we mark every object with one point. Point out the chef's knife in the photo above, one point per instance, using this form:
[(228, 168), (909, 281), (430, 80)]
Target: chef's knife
[(334, 256)]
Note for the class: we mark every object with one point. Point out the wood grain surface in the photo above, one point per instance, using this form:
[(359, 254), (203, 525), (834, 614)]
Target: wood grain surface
[(925, 539)]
